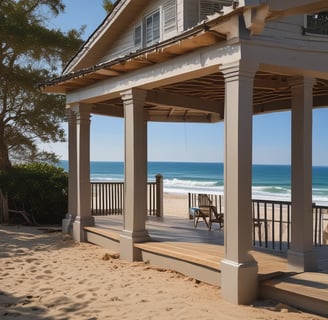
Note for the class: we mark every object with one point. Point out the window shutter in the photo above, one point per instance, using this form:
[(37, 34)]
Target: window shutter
[(138, 36), (209, 7), (169, 16)]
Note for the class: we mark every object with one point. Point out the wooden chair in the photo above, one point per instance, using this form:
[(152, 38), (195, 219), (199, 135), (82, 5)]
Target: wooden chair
[(215, 217), (202, 211), (207, 212)]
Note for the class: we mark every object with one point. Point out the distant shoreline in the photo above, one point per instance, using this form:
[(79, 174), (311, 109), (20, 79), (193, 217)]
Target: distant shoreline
[(200, 162)]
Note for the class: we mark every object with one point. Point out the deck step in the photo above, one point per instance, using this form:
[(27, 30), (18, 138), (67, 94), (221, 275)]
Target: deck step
[(103, 237), (196, 264), (181, 253), (307, 291)]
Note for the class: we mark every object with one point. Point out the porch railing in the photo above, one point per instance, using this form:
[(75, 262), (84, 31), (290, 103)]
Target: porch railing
[(217, 201), (272, 222), (107, 198)]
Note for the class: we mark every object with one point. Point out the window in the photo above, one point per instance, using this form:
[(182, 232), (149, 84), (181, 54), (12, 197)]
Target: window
[(153, 28), (138, 36), (316, 24), (158, 25)]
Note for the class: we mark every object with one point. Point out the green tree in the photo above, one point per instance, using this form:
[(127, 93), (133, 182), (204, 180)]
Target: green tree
[(30, 53), (108, 5)]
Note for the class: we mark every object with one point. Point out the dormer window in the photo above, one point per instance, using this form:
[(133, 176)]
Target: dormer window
[(153, 28)]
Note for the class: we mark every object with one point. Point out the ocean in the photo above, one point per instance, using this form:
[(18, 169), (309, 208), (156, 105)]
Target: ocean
[(270, 182)]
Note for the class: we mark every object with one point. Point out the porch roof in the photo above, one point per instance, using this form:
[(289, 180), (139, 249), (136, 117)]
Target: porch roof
[(199, 98)]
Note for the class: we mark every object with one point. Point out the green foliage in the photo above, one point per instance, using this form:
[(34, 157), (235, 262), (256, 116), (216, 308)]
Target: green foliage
[(30, 53), (38, 188), (107, 5)]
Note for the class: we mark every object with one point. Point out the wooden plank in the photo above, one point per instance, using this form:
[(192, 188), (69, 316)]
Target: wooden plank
[(314, 285), (180, 253), (106, 233)]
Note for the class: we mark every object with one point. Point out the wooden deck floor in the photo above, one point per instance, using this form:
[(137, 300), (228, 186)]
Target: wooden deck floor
[(177, 238), (178, 234)]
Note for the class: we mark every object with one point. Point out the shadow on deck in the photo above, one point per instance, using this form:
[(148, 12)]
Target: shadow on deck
[(175, 244)]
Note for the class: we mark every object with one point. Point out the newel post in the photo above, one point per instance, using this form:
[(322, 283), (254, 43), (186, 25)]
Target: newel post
[(159, 195)]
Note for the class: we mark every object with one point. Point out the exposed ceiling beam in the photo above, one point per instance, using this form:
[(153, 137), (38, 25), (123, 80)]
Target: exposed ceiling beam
[(108, 72), (205, 118), (174, 100)]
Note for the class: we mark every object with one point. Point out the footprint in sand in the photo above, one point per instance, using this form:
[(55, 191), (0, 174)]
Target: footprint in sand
[(46, 289), (43, 277), (20, 251)]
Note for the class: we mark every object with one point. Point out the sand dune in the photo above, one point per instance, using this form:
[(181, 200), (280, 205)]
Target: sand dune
[(49, 276)]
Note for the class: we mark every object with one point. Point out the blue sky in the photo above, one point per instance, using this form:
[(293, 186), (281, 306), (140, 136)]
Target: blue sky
[(186, 142)]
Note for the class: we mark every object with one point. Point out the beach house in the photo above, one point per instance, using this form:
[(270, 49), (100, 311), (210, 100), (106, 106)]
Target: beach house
[(200, 61)]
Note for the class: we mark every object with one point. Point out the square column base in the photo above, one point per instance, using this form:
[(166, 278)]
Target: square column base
[(239, 281), (127, 240), (67, 223), (78, 226), (302, 261)]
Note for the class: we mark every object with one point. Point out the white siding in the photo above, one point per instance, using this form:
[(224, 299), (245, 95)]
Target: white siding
[(176, 16), (180, 15), (287, 28), (125, 43), (289, 31), (188, 15)]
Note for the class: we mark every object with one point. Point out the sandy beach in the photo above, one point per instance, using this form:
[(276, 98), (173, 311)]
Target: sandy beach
[(46, 275)]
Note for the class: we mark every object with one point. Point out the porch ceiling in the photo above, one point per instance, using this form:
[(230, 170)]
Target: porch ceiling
[(202, 99)]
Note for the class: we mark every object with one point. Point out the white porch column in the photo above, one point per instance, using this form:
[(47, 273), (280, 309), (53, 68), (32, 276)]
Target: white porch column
[(301, 256), (239, 269), (135, 195), (67, 223), (84, 217)]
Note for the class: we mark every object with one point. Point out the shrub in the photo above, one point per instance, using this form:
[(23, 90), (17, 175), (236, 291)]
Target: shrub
[(38, 188)]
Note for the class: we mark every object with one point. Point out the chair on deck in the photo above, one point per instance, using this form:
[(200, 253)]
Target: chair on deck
[(207, 211)]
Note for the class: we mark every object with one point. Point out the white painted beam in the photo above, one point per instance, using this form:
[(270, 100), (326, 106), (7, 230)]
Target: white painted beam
[(193, 65)]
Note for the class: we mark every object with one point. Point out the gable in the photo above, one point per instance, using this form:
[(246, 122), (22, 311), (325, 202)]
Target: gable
[(135, 25)]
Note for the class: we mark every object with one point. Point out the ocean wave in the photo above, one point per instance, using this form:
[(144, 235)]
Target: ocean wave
[(189, 183), (193, 186), (273, 190), (101, 178), (274, 193), (262, 192)]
